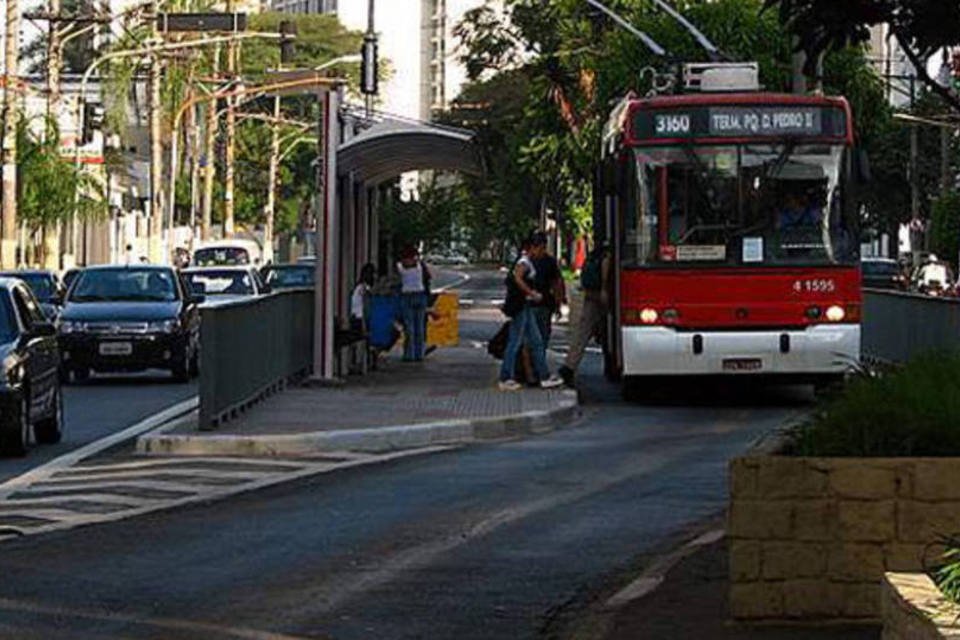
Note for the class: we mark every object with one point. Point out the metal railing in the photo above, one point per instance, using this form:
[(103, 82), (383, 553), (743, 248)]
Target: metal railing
[(898, 326), (250, 349)]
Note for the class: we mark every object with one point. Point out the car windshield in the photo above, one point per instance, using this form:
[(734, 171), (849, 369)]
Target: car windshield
[(129, 285), (220, 282), (751, 204), (282, 277), (40, 283), (221, 255)]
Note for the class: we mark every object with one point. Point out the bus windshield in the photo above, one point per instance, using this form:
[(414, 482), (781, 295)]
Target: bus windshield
[(747, 204)]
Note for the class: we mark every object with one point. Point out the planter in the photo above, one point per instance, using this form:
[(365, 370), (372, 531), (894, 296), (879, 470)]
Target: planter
[(915, 609), (811, 538)]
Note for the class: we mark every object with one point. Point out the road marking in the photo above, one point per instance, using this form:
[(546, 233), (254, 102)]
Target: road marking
[(49, 468), (66, 498), (464, 278), (36, 608)]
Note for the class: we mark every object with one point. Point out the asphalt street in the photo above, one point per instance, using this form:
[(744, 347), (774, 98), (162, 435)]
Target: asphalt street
[(503, 540)]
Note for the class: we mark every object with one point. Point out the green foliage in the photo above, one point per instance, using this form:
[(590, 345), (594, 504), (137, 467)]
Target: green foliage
[(945, 226), (947, 575), (912, 411), (48, 181), (921, 27)]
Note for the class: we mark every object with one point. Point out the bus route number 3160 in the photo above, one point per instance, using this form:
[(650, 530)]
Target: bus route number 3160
[(672, 123)]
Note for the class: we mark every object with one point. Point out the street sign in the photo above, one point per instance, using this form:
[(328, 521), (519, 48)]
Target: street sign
[(196, 22)]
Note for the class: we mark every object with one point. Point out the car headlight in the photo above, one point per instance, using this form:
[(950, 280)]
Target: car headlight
[(13, 371), (69, 326), (163, 326)]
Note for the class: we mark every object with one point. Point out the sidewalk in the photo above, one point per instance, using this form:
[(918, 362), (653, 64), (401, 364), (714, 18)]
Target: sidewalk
[(692, 603), (449, 398)]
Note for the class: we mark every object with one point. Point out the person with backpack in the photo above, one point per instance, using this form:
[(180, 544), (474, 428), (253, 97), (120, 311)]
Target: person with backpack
[(414, 276), (524, 329), (595, 282)]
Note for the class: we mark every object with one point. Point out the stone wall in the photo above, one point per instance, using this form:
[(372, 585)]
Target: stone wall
[(810, 538), (914, 609)]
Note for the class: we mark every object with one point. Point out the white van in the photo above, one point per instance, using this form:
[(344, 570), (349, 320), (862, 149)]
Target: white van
[(227, 252)]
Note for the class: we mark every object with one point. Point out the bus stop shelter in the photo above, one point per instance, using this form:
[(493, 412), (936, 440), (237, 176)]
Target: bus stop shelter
[(371, 152)]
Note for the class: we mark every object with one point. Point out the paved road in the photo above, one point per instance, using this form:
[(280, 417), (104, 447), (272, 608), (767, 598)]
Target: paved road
[(496, 541)]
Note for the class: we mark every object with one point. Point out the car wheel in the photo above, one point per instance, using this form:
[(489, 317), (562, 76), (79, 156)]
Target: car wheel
[(50, 430), (16, 440)]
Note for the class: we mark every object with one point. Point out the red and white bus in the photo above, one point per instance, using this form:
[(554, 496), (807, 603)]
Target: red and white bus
[(733, 226)]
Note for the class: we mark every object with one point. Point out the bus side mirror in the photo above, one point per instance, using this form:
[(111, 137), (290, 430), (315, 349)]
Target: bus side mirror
[(861, 166)]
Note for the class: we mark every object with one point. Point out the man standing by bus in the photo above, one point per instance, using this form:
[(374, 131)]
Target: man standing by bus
[(595, 282)]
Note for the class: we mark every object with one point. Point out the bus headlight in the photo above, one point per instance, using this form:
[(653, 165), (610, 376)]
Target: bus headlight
[(649, 316), (835, 313)]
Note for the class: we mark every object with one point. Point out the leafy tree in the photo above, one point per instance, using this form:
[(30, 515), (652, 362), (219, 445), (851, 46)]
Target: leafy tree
[(48, 183), (945, 226), (921, 28)]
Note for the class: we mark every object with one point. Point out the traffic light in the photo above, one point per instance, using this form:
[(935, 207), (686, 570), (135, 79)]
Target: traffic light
[(92, 121), (288, 33)]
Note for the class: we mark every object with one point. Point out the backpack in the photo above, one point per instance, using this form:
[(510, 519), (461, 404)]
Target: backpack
[(591, 276)]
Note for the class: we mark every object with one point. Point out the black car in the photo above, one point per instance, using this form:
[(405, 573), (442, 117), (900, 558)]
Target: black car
[(288, 276), (30, 399), (130, 318), (882, 273), (45, 286)]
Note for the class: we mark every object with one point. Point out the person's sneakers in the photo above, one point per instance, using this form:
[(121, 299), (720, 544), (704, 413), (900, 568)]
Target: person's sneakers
[(552, 382), (510, 385), (566, 374)]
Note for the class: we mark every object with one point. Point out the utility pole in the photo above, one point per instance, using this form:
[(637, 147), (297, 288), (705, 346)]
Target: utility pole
[(289, 29), (230, 139), (9, 230), (210, 168), (368, 83), (156, 151), (51, 234)]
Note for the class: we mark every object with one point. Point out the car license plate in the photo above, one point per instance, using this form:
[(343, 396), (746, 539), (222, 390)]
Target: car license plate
[(116, 348), (742, 364)]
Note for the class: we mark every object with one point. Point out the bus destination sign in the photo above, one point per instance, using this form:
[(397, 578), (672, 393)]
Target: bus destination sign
[(738, 121)]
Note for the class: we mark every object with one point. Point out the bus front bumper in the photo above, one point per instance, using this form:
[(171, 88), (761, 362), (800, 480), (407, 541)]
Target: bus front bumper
[(819, 349)]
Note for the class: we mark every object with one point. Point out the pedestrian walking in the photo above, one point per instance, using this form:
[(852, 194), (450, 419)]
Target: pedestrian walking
[(524, 331), (549, 283), (595, 282), (413, 303)]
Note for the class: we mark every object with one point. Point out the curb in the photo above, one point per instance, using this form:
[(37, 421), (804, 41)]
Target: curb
[(373, 440)]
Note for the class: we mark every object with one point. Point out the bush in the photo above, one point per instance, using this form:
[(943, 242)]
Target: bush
[(947, 575), (911, 411), (945, 226)]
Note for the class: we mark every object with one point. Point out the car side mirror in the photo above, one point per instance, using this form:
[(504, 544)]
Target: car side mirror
[(43, 330)]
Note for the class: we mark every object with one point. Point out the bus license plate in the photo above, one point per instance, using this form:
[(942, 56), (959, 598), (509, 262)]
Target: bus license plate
[(742, 364), (116, 348)]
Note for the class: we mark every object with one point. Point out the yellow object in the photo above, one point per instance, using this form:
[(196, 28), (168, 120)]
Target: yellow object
[(443, 327)]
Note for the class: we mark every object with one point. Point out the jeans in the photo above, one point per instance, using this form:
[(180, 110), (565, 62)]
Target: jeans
[(413, 307), (544, 317), (524, 330)]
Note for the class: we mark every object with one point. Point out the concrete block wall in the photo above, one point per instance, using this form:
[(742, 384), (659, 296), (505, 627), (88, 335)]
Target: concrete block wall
[(810, 538)]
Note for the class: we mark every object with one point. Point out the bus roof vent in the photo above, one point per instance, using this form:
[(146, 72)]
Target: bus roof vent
[(718, 77)]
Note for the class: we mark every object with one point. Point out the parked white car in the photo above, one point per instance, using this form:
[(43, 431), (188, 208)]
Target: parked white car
[(227, 252)]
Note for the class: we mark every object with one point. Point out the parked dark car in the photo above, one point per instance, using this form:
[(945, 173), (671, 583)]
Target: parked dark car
[(45, 286), (882, 273), (31, 404), (288, 276), (130, 318)]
